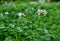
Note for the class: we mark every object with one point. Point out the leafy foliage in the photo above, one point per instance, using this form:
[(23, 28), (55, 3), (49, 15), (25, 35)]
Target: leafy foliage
[(30, 27)]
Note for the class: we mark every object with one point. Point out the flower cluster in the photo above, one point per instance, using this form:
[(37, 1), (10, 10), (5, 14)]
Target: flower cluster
[(20, 14), (39, 12)]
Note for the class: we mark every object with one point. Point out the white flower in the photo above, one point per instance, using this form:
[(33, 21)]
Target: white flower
[(44, 12), (6, 13), (21, 14), (39, 11)]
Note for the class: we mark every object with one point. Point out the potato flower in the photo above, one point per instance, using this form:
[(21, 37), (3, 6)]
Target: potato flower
[(39, 12), (21, 14)]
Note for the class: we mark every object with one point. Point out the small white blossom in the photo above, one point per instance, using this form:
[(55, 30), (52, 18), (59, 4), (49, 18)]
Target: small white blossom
[(41, 12), (21, 14), (44, 12), (6, 13)]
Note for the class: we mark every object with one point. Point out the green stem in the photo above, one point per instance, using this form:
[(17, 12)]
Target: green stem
[(16, 36)]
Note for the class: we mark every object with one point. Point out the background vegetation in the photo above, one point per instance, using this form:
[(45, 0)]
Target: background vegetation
[(18, 1), (30, 27)]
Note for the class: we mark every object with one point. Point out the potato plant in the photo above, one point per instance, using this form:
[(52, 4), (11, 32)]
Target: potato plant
[(20, 22)]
